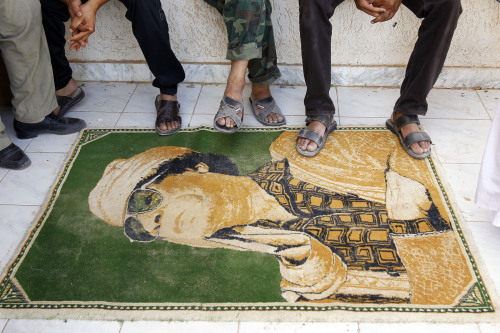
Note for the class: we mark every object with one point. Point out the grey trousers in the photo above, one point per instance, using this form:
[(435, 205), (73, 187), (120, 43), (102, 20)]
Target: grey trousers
[(26, 57)]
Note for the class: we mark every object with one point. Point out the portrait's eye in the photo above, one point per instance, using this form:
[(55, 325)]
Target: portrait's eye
[(141, 201)]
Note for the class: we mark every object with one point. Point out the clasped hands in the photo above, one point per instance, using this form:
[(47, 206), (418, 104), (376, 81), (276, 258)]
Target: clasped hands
[(82, 21), (382, 10)]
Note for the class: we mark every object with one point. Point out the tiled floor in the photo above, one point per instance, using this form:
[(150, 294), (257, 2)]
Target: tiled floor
[(458, 121)]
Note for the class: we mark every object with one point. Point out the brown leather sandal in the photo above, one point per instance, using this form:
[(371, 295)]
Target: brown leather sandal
[(167, 112)]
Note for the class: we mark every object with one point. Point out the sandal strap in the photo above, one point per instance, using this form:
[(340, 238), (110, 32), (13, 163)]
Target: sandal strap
[(230, 108), (167, 111), (325, 120), (404, 120), (310, 135), (416, 137), (267, 105)]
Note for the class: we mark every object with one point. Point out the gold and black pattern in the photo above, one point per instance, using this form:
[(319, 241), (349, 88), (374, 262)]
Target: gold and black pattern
[(357, 230)]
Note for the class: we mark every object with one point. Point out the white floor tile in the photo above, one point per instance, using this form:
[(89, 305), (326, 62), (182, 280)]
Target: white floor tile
[(179, 327), (98, 119), (290, 99), (61, 326), (106, 97), (348, 121), (138, 120), (490, 99), (251, 327), (455, 104), (486, 238), (201, 120), (144, 96), (490, 328), (366, 102), (418, 328), (15, 221), (31, 185), (458, 141), (7, 119), (210, 97), (463, 181), (52, 143), (188, 95)]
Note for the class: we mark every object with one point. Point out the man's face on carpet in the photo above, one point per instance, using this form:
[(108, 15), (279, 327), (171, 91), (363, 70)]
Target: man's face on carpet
[(185, 208)]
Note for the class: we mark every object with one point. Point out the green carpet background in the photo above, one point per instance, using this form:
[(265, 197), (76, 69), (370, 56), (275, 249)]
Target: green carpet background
[(78, 257)]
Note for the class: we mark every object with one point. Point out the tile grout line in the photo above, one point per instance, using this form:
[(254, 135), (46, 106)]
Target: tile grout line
[(3, 329), (195, 104), (126, 104), (482, 102)]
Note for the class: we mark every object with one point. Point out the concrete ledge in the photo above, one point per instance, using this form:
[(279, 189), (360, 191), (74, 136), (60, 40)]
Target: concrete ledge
[(451, 77)]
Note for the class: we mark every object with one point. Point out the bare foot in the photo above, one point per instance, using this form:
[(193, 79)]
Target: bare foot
[(309, 145), (174, 124), (418, 147), (261, 92)]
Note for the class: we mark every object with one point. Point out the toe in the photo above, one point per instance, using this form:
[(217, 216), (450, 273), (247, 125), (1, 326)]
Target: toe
[(416, 148), (312, 146)]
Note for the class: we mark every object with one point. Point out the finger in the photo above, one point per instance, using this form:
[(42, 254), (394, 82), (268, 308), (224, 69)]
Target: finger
[(79, 36), (375, 11)]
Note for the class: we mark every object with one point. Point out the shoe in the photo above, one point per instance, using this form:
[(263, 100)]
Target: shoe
[(14, 158), (305, 133), (67, 102), (395, 127), (167, 112), (51, 124)]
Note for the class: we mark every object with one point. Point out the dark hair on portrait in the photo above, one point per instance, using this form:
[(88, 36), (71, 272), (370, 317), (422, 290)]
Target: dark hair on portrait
[(176, 166)]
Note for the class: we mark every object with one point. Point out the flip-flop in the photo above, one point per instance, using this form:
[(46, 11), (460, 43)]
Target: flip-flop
[(67, 102), (229, 108), (305, 133), (167, 112), (264, 107), (411, 138)]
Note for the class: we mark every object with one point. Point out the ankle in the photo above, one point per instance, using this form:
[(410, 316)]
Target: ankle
[(69, 89), (165, 97)]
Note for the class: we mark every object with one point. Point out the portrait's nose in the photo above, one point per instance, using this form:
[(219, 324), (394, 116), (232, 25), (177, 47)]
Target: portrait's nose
[(135, 231)]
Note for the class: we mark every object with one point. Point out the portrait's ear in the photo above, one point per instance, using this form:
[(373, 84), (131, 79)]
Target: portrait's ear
[(201, 168)]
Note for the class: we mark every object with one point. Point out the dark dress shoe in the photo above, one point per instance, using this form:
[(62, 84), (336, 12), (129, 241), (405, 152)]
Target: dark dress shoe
[(51, 124), (14, 158)]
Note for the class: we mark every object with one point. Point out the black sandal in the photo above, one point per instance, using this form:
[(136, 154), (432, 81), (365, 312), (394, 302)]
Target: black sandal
[(305, 133), (395, 127), (167, 112)]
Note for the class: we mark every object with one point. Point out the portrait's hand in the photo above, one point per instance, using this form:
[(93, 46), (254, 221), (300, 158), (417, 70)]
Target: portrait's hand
[(390, 6), (367, 7)]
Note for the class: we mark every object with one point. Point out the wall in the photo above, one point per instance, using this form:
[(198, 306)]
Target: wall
[(361, 52)]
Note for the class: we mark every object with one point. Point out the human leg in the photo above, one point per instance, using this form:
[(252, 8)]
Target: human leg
[(440, 19), (262, 72), (150, 28), (54, 14), (27, 60), (250, 45), (315, 36)]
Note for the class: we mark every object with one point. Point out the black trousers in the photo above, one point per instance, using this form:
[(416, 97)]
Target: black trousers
[(149, 26), (440, 19)]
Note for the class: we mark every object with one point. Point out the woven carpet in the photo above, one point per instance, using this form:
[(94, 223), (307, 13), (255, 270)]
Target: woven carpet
[(207, 226)]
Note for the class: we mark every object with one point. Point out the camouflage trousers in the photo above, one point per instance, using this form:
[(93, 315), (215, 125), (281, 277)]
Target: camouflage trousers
[(250, 36)]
